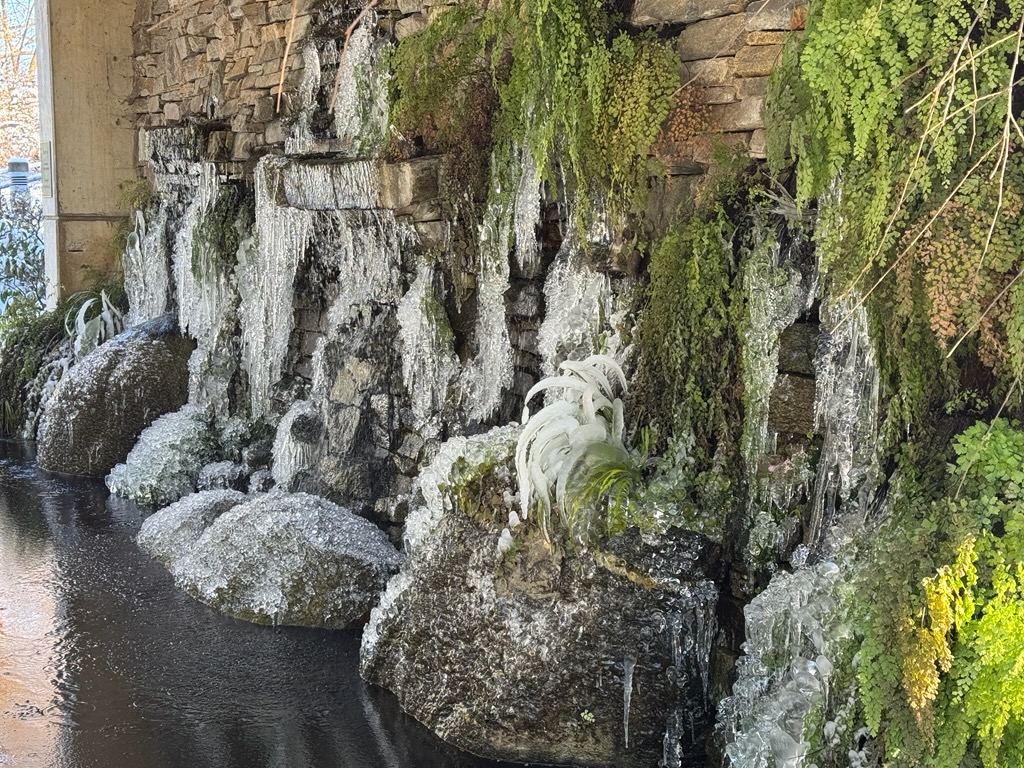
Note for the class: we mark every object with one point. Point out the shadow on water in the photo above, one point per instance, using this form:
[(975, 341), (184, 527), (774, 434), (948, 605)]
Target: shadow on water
[(104, 662)]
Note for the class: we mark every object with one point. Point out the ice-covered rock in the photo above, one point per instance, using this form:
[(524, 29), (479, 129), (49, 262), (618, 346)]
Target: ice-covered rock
[(103, 403), (525, 654), (283, 558), (164, 465), (222, 475), (169, 535)]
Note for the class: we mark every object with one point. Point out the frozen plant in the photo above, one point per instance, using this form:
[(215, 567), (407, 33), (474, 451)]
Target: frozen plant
[(574, 447), (89, 333)]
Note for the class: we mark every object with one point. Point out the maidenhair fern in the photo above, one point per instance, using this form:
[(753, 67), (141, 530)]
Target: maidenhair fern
[(573, 449)]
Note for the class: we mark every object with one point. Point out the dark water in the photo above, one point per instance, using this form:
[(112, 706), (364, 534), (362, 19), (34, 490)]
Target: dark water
[(104, 663)]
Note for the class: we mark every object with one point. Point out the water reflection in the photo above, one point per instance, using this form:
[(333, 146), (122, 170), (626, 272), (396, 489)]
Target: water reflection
[(104, 662)]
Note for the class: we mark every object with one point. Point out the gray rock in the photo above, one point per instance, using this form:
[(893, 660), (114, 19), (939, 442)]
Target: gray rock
[(291, 559), (526, 656), (657, 12), (169, 535), (261, 481), (712, 38), (222, 475), (104, 402)]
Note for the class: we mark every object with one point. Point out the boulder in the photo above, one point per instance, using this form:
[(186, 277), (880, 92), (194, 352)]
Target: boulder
[(105, 401), (281, 558), (169, 535), (533, 654), (166, 461)]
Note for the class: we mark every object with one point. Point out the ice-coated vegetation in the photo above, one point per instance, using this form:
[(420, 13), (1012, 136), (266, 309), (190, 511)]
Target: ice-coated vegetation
[(164, 465)]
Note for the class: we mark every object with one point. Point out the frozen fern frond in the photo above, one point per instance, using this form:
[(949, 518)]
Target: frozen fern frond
[(89, 333), (573, 448)]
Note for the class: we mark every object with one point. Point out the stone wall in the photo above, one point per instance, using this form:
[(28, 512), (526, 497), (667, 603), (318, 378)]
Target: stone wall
[(728, 49), (220, 62)]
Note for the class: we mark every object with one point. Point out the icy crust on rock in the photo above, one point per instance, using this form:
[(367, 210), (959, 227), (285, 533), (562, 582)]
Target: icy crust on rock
[(170, 534), (266, 276), (297, 442), (292, 559), (429, 364), (147, 278), (579, 305), (793, 631), (164, 465)]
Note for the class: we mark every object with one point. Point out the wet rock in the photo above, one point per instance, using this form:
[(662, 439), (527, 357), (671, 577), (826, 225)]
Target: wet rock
[(164, 465), (222, 475), (104, 402), (798, 346), (792, 405), (169, 535), (527, 655), (292, 559)]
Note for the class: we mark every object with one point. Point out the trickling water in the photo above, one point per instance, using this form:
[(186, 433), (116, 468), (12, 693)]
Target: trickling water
[(361, 108), (627, 695), (265, 283)]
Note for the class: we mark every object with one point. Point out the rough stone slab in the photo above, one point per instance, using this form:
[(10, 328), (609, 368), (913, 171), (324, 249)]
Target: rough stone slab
[(792, 405), (798, 346), (701, 149), (766, 38), (758, 144), (410, 25), (741, 116), (709, 72), (323, 186), (712, 38), (751, 86), (719, 94), (771, 14), (757, 60), (658, 12), (407, 183)]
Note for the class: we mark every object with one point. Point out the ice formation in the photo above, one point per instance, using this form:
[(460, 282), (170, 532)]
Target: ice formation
[(169, 535), (793, 629), (284, 558), (147, 279), (265, 283), (295, 449), (429, 364), (164, 464)]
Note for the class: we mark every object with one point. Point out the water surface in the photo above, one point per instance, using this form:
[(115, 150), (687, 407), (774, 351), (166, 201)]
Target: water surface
[(104, 663)]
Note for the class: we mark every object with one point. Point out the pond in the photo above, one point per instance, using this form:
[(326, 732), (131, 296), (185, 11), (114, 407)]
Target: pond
[(104, 662)]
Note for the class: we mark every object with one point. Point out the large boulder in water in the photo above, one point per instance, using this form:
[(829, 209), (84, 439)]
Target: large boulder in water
[(105, 401), (531, 654), (279, 558)]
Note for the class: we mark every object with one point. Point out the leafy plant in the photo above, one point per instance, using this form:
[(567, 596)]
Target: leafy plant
[(941, 665), (96, 320), (574, 447), (22, 267)]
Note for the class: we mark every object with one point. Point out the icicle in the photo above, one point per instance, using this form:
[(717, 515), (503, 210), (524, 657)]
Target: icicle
[(627, 694), (147, 280), (265, 278), (297, 443), (672, 748), (429, 364)]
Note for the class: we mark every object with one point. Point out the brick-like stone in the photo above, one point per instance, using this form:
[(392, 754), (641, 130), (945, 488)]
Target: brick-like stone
[(766, 38), (659, 12), (719, 94), (757, 60), (172, 112), (740, 116), (709, 72), (751, 86), (712, 38), (771, 14), (410, 25), (758, 144)]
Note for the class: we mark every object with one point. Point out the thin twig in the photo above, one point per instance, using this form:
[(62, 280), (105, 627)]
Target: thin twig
[(287, 50), (344, 48)]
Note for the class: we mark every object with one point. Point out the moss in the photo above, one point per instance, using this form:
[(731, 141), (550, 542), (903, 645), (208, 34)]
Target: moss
[(219, 232)]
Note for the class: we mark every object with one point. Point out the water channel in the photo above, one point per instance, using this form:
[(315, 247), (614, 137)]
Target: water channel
[(104, 663)]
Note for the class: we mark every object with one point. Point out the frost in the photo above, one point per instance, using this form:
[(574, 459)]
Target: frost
[(169, 535), (165, 463)]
